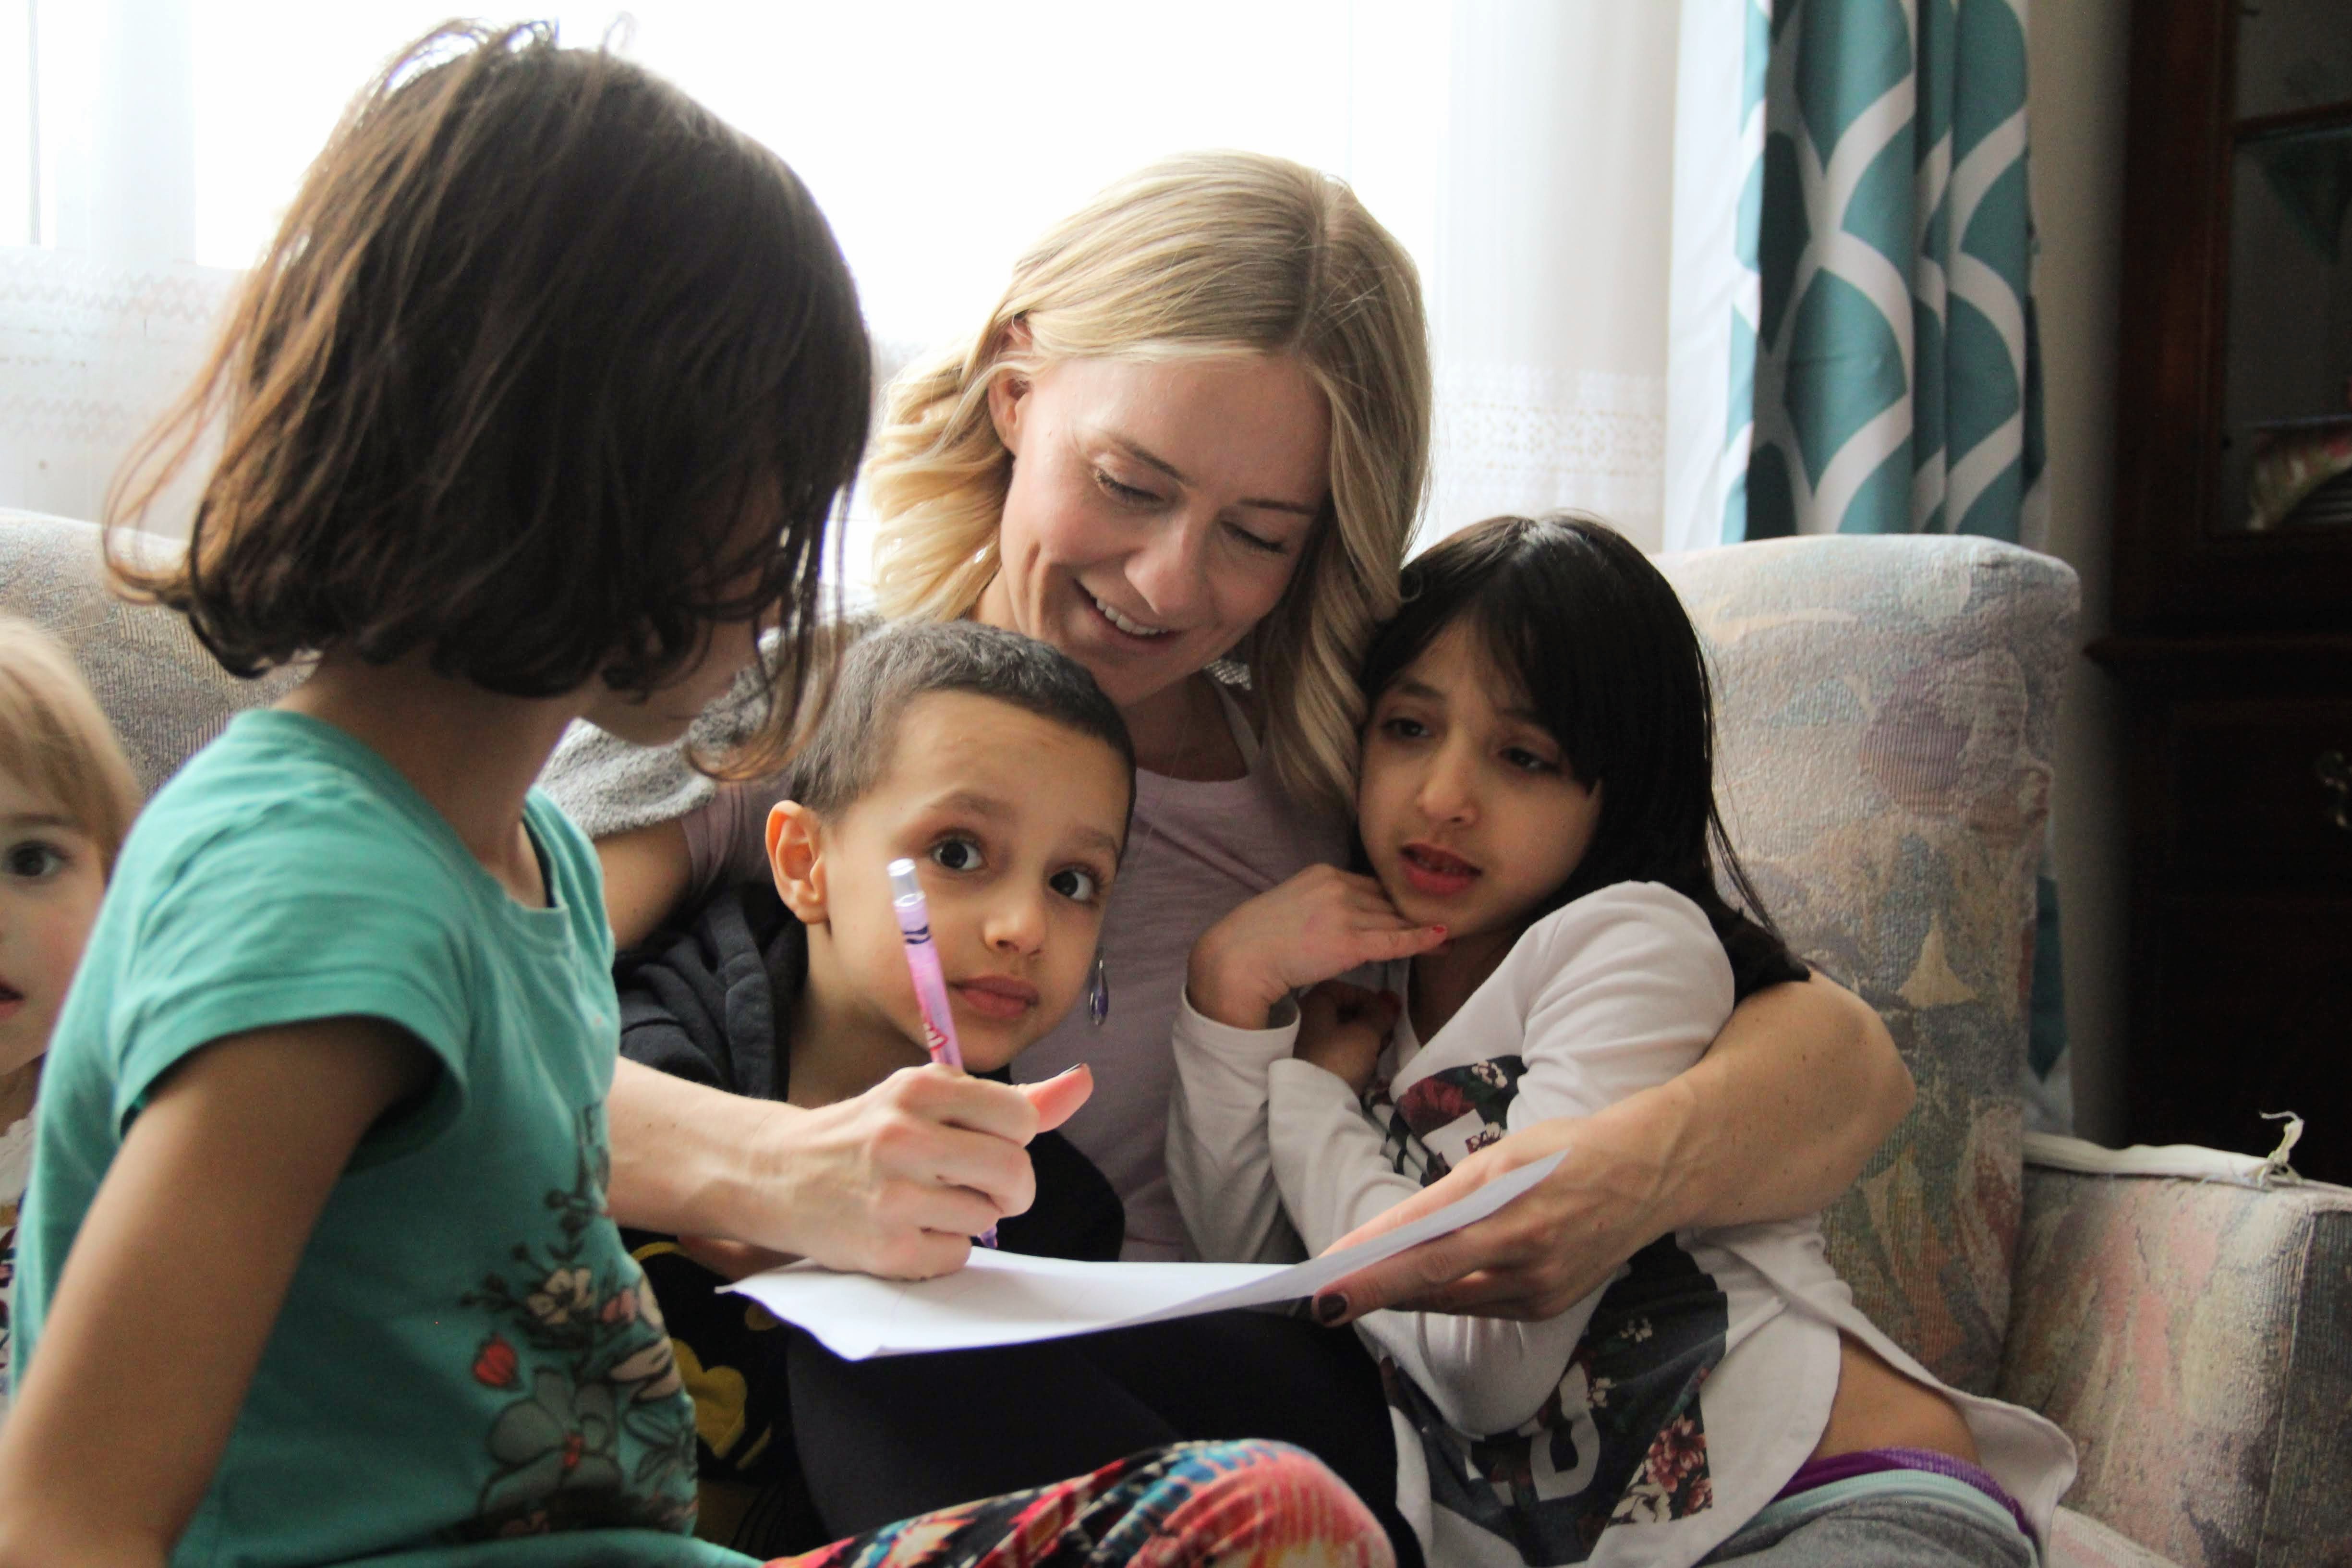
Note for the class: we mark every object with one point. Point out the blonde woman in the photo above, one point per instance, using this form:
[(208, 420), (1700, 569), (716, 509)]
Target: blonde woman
[(1187, 447)]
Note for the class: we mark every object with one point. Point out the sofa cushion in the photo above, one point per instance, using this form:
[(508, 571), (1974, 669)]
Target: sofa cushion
[(1888, 712), (164, 693)]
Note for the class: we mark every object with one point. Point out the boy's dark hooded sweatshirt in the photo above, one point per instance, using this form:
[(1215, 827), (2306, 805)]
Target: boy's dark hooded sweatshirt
[(711, 1000)]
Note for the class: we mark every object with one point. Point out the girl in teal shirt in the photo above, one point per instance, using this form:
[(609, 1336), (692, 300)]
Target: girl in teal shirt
[(535, 411)]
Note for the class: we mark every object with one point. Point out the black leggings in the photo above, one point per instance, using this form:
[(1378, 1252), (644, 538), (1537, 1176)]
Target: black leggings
[(889, 1439)]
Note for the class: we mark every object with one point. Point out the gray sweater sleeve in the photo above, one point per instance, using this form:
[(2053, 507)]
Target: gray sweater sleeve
[(609, 787)]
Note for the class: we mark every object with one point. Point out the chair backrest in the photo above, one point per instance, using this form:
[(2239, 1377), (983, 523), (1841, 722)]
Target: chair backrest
[(1888, 711), (165, 695)]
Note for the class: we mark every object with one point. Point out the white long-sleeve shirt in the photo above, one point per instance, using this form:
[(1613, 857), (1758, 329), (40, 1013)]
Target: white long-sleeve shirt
[(1654, 1416)]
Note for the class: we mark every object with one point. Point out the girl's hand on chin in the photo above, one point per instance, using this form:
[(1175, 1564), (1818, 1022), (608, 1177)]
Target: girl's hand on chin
[(1316, 926)]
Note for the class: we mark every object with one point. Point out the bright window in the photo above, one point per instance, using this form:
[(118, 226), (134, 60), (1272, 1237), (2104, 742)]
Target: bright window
[(18, 103), (939, 138), (1519, 149)]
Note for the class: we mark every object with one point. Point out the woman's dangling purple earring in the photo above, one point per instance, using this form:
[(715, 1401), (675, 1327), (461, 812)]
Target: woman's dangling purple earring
[(1098, 992)]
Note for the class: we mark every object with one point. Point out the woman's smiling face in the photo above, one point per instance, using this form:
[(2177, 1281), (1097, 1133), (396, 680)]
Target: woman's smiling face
[(1157, 512)]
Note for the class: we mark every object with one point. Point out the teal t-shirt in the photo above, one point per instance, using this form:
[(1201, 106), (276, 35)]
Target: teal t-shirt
[(469, 1367)]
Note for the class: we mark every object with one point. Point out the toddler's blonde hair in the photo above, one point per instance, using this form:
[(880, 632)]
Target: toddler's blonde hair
[(1206, 255), (55, 740)]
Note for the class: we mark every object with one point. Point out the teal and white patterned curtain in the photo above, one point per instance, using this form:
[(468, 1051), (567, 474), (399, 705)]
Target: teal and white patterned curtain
[(1852, 345), (1853, 261)]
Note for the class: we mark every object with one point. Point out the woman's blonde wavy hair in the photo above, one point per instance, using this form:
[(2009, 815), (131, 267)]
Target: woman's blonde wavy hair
[(1203, 255)]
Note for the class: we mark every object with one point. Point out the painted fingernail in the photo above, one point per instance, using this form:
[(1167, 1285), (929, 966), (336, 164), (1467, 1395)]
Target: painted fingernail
[(1329, 1309)]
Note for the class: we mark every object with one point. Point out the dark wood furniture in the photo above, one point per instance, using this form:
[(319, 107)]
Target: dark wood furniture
[(2234, 643)]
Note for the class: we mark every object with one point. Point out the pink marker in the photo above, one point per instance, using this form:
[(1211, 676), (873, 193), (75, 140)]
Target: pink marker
[(930, 982)]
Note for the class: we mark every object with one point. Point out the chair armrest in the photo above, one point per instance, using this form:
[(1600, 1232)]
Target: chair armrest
[(2186, 1317), (2078, 1541)]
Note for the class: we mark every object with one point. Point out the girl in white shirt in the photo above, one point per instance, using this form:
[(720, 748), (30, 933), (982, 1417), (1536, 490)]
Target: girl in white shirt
[(1537, 799)]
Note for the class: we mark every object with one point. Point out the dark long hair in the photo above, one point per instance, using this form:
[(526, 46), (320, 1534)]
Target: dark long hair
[(536, 333), (1604, 653)]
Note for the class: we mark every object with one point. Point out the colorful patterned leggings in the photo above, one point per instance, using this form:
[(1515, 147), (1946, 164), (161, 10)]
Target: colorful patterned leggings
[(1231, 1505)]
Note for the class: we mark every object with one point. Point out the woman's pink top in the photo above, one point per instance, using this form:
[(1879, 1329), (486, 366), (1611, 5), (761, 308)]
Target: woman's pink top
[(1195, 852)]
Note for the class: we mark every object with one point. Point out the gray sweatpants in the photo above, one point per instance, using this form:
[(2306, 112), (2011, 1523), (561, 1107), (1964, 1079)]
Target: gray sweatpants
[(1848, 1525)]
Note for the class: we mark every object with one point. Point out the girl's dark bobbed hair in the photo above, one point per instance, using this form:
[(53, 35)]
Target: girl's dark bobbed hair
[(1602, 652), (538, 342)]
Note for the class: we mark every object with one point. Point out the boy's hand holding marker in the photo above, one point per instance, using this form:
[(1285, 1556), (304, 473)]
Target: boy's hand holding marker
[(1314, 926), (896, 1181)]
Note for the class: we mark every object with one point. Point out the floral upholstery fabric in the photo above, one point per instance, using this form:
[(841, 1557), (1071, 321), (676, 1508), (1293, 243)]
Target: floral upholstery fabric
[(2078, 1541), (2194, 1337), (1887, 710)]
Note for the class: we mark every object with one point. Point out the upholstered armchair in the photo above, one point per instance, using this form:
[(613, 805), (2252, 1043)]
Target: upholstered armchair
[(1888, 711)]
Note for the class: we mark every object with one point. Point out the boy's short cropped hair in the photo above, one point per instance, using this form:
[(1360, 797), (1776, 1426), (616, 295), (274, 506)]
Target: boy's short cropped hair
[(537, 335), (845, 751), (55, 740)]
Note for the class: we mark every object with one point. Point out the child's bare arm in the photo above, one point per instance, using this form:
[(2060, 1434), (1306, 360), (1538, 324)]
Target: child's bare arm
[(174, 1281)]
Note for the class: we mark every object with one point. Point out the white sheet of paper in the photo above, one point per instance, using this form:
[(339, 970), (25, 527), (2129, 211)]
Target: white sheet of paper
[(1006, 1299)]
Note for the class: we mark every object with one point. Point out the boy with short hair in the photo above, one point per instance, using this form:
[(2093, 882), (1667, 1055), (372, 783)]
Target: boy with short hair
[(999, 767)]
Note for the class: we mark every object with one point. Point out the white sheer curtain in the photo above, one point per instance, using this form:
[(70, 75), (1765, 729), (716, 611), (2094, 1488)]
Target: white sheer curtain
[(1521, 149), (1547, 281), (101, 323)]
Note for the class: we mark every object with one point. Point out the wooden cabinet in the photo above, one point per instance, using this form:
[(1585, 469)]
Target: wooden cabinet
[(2255, 791), (2232, 551), (2238, 790), (2249, 994)]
